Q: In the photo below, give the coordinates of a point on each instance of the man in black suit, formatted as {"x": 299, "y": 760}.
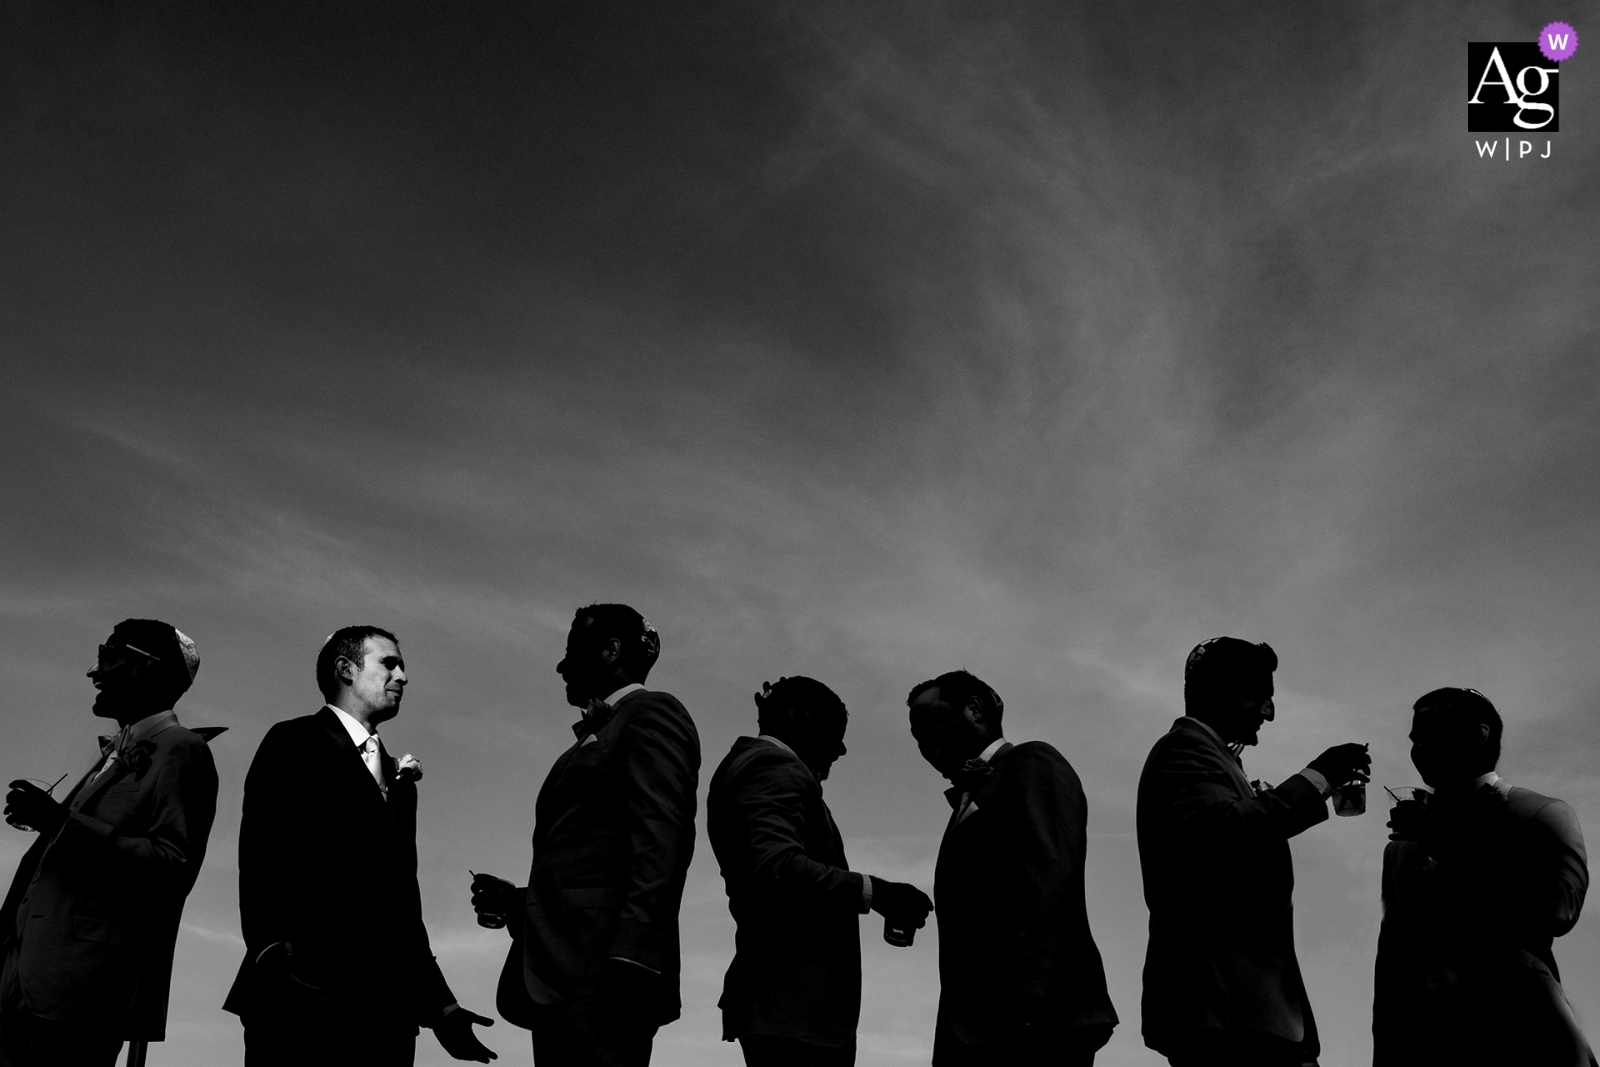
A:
{"x": 792, "y": 996}
{"x": 593, "y": 970}
{"x": 1021, "y": 981}
{"x": 1479, "y": 878}
{"x": 337, "y": 967}
{"x": 90, "y": 921}
{"x": 1222, "y": 987}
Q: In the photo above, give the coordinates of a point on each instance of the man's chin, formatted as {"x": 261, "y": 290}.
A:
{"x": 106, "y": 706}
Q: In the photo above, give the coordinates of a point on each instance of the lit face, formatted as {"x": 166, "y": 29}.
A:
{"x": 379, "y": 681}
{"x": 586, "y": 667}
{"x": 1238, "y": 714}
{"x": 946, "y": 736}
{"x": 1446, "y": 750}
{"x": 122, "y": 679}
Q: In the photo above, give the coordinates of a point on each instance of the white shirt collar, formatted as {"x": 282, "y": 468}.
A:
{"x": 624, "y": 691}
{"x": 988, "y": 754}
{"x": 358, "y": 733}
{"x": 780, "y": 744}
{"x": 1491, "y": 778}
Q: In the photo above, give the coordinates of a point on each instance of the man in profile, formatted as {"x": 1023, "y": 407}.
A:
{"x": 1222, "y": 986}
{"x": 90, "y": 922}
{"x": 792, "y": 996}
{"x": 1480, "y": 877}
{"x": 337, "y": 967}
{"x": 1021, "y": 981}
{"x": 593, "y": 970}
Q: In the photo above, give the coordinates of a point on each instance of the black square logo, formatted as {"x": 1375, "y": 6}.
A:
{"x": 1511, "y": 88}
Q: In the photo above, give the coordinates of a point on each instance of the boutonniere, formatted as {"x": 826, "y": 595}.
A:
{"x": 407, "y": 768}
{"x": 140, "y": 759}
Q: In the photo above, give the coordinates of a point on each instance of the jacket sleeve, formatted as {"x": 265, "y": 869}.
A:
{"x": 1565, "y": 882}
{"x": 658, "y": 763}
{"x": 1205, "y": 804}
{"x": 770, "y": 796}
{"x": 1393, "y": 1003}
{"x": 1045, "y": 816}
{"x": 430, "y": 991}
{"x": 268, "y": 876}
{"x": 165, "y": 858}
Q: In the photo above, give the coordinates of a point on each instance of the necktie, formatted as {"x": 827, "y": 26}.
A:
{"x": 374, "y": 762}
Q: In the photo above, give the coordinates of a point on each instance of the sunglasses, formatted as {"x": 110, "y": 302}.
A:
{"x": 106, "y": 652}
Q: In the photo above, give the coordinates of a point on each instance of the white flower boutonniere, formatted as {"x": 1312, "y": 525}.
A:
{"x": 407, "y": 769}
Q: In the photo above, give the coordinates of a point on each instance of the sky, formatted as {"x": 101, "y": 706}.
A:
{"x": 857, "y": 341}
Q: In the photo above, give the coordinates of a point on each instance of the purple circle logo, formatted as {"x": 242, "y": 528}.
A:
{"x": 1558, "y": 41}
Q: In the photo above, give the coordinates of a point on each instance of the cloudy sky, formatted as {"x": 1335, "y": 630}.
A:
{"x": 860, "y": 341}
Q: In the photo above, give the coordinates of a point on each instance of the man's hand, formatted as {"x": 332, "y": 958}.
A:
{"x": 1411, "y": 821}
{"x": 1343, "y": 764}
{"x": 495, "y": 898}
{"x": 454, "y": 1032}
{"x": 904, "y": 905}
{"x": 29, "y": 807}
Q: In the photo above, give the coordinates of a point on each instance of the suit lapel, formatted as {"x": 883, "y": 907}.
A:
{"x": 1235, "y": 771}
{"x": 350, "y": 756}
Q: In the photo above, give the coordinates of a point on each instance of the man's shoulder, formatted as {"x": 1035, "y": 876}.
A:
{"x": 1529, "y": 806}
{"x": 652, "y": 709}
{"x": 1034, "y": 758}
{"x": 752, "y": 760}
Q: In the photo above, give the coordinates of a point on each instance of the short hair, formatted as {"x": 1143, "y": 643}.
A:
{"x": 1467, "y": 705}
{"x": 958, "y": 689}
{"x": 174, "y": 654}
{"x": 798, "y": 693}
{"x": 640, "y": 643}
{"x": 1219, "y": 663}
{"x": 347, "y": 642}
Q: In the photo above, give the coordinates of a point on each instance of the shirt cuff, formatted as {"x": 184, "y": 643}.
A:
{"x": 636, "y": 963}
{"x": 866, "y": 893}
{"x": 1317, "y": 779}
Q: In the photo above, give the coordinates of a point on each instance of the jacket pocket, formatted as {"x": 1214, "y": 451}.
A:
{"x": 88, "y": 928}
{"x": 588, "y": 898}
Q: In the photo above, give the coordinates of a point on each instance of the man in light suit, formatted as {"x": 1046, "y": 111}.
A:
{"x": 792, "y": 996}
{"x": 91, "y": 919}
{"x": 593, "y": 969}
{"x": 1478, "y": 880}
{"x": 1021, "y": 981}
{"x": 1221, "y": 983}
{"x": 337, "y": 968}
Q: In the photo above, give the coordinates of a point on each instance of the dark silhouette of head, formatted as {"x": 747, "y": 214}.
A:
{"x": 807, "y": 716}
{"x": 1455, "y": 737}
{"x": 1227, "y": 684}
{"x": 954, "y": 717}
{"x": 608, "y": 647}
{"x": 360, "y": 669}
{"x": 142, "y": 668}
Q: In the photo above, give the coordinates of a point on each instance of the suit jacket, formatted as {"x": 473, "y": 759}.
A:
{"x": 796, "y": 970}
{"x": 612, "y": 838}
{"x": 97, "y": 905}
{"x": 1008, "y": 892}
{"x": 1464, "y": 953}
{"x": 330, "y": 866}
{"x": 1219, "y": 883}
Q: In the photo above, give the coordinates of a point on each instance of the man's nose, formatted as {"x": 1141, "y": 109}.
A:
{"x": 561, "y": 668}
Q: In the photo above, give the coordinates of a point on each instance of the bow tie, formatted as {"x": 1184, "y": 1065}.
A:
{"x": 594, "y": 720}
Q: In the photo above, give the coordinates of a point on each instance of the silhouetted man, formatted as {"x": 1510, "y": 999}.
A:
{"x": 1021, "y": 982}
{"x": 91, "y": 919}
{"x": 1221, "y": 983}
{"x": 594, "y": 970}
{"x": 337, "y": 967}
{"x": 792, "y": 996}
{"x": 1478, "y": 880}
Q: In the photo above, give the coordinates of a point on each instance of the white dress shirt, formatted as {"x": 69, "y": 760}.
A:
{"x": 134, "y": 732}
{"x": 365, "y": 740}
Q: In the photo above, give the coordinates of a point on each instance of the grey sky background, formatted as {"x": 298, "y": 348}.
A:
{"x": 860, "y": 341}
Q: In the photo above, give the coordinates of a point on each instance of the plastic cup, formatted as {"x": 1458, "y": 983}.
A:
{"x": 898, "y": 936}
{"x": 1350, "y": 799}
{"x": 1399, "y": 794}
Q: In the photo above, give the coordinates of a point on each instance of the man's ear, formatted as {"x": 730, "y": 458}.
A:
{"x": 974, "y": 712}
{"x": 611, "y": 651}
